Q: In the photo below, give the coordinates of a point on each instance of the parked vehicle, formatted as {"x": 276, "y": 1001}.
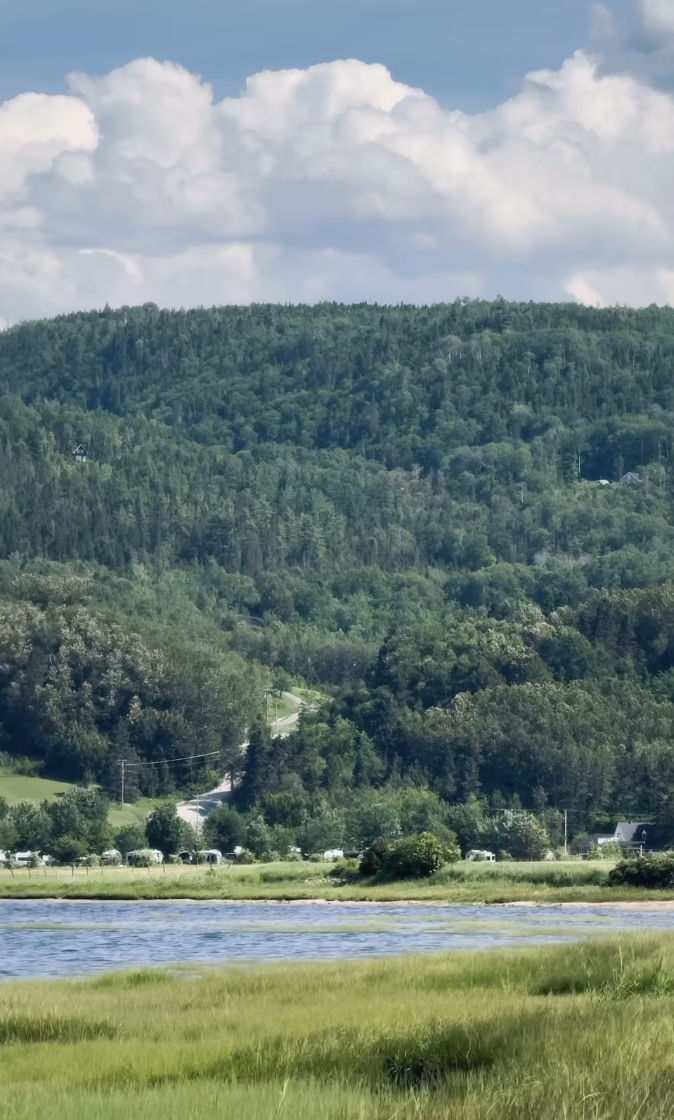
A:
{"x": 212, "y": 855}
{"x": 333, "y": 855}
{"x": 27, "y": 859}
{"x": 477, "y": 856}
{"x": 112, "y": 857}
{"x": 144, "y": 857}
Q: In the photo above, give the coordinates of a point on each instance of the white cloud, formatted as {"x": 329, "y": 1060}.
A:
{"x": 334, "y": 182}
{"x": 658, "y": 16}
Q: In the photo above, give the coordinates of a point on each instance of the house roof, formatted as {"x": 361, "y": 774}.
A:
{"x": 630, "y": 477}
{"x": 631, "y": 832}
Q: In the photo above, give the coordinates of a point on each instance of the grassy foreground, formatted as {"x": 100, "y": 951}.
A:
{"x": 458, "y": 883}
{"x": 583, "y": 1032}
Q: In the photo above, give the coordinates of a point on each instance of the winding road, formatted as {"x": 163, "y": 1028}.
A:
{"x": 196, "y": 811}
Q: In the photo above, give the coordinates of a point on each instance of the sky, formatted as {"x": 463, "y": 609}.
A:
{"x": 194, "y": 152}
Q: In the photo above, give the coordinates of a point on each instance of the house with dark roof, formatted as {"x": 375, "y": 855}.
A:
{"x": 632, "y": 836}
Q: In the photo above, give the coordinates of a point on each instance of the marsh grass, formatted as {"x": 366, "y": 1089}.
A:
{"x": 583, "y": 1032}
{"x": 457, "y": 883}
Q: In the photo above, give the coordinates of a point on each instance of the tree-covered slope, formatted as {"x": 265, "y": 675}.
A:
{"x": 401, "y": 504}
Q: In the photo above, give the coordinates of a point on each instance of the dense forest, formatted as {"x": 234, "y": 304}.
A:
{"x": 418, "y": 511}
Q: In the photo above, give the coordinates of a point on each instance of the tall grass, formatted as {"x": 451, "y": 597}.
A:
{"x": 578, "y": 1032}
{"x": 458, "y": 883}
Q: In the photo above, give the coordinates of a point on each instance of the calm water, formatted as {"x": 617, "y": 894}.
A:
{"x": 42, "y": 939}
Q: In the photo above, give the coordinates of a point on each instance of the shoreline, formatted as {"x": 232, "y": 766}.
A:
{"x": 552, "y": 904}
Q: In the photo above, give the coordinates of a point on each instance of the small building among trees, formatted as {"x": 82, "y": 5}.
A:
{"x": 80, "y": 454}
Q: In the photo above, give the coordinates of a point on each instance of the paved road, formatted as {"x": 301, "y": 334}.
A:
{"x": 195, "y": 812}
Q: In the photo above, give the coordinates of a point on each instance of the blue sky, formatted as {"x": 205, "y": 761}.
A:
{"x": 469, "y": 54}
{"x": 133, "y": 181}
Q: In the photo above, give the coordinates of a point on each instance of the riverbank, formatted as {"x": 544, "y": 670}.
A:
{"x": 576, "y": 1031}
{"x": 458, "y": 884}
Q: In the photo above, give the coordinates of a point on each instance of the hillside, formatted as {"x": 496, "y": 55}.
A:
{"x": 400, "y": 505}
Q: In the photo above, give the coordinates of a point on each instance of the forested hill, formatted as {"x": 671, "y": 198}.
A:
{"x": 298, "y": 485}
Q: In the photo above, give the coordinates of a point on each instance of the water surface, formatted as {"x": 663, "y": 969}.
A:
{"x": 42, "y": 938}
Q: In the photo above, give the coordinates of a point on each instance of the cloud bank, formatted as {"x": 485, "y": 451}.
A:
{"x": 335, "y": 182}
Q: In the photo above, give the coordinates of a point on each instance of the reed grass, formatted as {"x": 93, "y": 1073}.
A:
{"x": 583, "y": 1032}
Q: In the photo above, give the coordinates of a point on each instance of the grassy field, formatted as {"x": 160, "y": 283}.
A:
{"x": 460, "y": 883}
{"x": 131, "y": 814}
{"x": 568, "y": 1033}
{"x": 15, "y": 788}
{"x": 279, "y": 708}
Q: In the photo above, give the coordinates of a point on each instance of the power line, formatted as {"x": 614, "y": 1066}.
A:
{"x": 169, "y": 761}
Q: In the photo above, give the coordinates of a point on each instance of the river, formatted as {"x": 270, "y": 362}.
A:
{"x": 41, "y": 939}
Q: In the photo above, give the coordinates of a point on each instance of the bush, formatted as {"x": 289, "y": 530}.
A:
{"x": 605, "y": 851}
{"x": 142, "y": 858}
{"x": 417, "y": 857}
{"x": 373, "y": 858}
{"x": 245, "y": 857}
{"x": 651, "y": 871}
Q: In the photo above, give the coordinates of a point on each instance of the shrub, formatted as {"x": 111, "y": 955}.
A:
{"x": 245, "y": 856}
{"x": 417, "y": 857}
{"x": 373, "y": 858}
{"x": 651, "y": 871}
{"x": 605, "y": 851}
{"x": 142, "y": 858}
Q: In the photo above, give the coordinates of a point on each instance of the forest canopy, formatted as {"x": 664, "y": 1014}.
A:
{"x": 456, "y": 520}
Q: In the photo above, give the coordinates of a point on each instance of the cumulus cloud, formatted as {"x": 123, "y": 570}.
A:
{"x": 334, "y": 182}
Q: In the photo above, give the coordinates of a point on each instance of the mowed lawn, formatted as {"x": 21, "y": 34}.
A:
{"x": 15, "y": 788}
{"x": 131, "y": 814}
{"x": 582, "y": 1032}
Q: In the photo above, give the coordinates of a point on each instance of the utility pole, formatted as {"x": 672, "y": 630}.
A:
{"x": 566, "y": 833}
{"x": 198, "y": 819}
{"x": 123, "y": 764}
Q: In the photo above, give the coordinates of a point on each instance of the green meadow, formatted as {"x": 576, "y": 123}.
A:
{"x": 582, "y": 1032}
{"x": 17, "y": 787}
{"x": 458, "y": 883}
